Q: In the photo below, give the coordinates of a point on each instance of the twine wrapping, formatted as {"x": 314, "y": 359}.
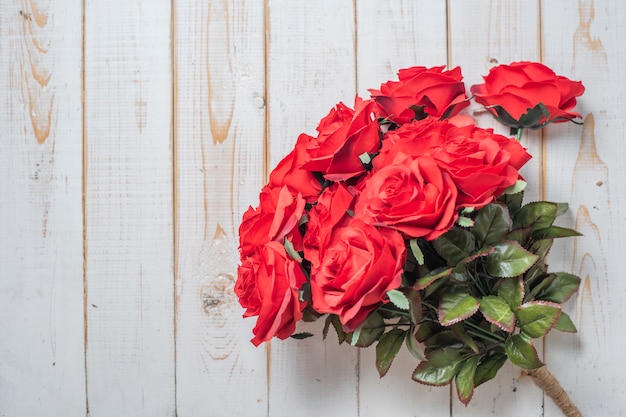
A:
{"x": 551, "y": 386}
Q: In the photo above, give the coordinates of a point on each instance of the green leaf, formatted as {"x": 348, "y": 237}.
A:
{"x": 441, "y": 366}
{"x": 561, "y": 288}
{"x": 417, "y": 252}
{"x": 334, "y": 320}
{"x": 291, "y": 251}
{"x": 538, "y": 215}
{"x": 411, "y": 345}
{"x": 455, "y": 245}
{"x": 368, "y": 332}
{"x": 565, "y": 324}
{"x": 518, "y": 187}
{"x": 497, "y": 311}
{"x": 398, "y": 299}
{"x": 387, "y": 348}
{"x": 456, "y": 306}
{"x": 511, "y": 290}
{"x": 521, "y": 352}
{"x": 365, "y": 159}
{"x": 465, "y": 379}
{"x": 513, "y": 202}
{"x": 426, "y": 330}
{"x": 536, "y": 318}
{"x": 441, "y": 340}
{"x": 554, "y": 232}
{"x": 488, "y": 368}
{"x": 426, "y": 280}
{"x": 520, "y": 235}
{"x": 463, "y": 221}
{"x": 492, "y": 224}
{"x": 509, "y": 259}
{"x": 461, "y": 333}
{"x": 561, "y": 208}
{"x": 415, "y": 304}
{"x": 533, "y": 116}
{"x": 302, "y": 335}
{"x": 504, "y": 117}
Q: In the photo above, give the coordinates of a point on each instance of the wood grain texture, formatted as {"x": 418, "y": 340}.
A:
{"x": 129, "y": 209}
{"x": 220, "y": 133}
{"x": 390, "y": 38}
{"x": 168, "y": 115}
{"x": 41, "y": 249}
{"x": 310, "y": 68}
{"x": 584, "y": 40}
{"x": 483, "y": 34}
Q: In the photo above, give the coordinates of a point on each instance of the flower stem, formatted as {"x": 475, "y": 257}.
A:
{"x": 551, "y": 386}
{"x": 518, "y": 136}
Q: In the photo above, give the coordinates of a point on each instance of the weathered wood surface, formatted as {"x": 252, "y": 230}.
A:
{"x": 133, "y": 135}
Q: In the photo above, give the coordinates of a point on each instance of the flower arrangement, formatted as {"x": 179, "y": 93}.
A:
{"x": 403, "y": 223}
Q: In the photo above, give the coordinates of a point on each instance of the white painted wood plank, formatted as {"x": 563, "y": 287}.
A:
{"x": 42, "y": 368}
{"x": 391, "y": 36}
{"x": 220, "y": 131}
{"x": 311, "y": 67}
{"x": 584, "y": 40}
{"x": 485, "y": 33}
{"x": 129, "y": 206}
{"x": 395, "y": 35}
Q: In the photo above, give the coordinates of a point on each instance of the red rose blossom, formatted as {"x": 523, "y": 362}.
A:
{"x": 289, "y": 172}
{"x": 268, "y": 284}
{"x": 411, "y": 195}
{"x": 518, "y": 89}
{"x": 440, "y": 93}
{"x": 359, "y": 264}
{"x": 344, "y": 135}
{"x": 275, "y": 218}
{"x": 330, "y": 212}
{"x": 481, "y": 163}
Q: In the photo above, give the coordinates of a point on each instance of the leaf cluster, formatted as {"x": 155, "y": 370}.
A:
{"x": 473, "y": 298}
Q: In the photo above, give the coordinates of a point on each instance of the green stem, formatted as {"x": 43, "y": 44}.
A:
{"x": 518, "y": 136}
{"x": 494, "y": 337}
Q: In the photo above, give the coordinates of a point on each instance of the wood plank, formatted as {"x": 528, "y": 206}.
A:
{"x": 390, "y": 38}
{"x": 311, "y": 67}
{"x": 220, "y": 131}
{"x": 584, "y": 41}
{"x": 129, "y": 207}
{"x": 42, "y": 369}
{"x": 485, "y": 33}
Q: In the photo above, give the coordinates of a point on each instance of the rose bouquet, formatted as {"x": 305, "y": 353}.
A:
{"x": 403, "y": 223}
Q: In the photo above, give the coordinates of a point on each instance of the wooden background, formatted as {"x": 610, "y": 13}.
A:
{"x": 133, "y": 135}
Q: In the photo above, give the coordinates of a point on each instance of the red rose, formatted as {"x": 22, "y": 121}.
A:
{"x": 330, "y": 212}
{"x": 513, "y": 92}
{"x": 276, "y": 218}
{"x": 268, "y": 284}
{"x": 411, "y": 195}
{"x": 289, "y": 172}
{"x": 344, "y": 135}
{"x": 359, "y": 264}
{"x": 481, "y": 163}
{"x": 440, "y": 93}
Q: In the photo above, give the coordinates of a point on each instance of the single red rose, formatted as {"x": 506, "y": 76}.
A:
{"x": 268, "y": 285}
{"x": 480, "y": 163}
{"x": 440, "y": 93}
{"x": 344, "y": 135}
{"x": 359, "y": 264}
{"x": 411, "y": 195}
{"x": 275, "y": 218}
{"x": 330, "y": 212}
{"x": 289, "y": 172}
{"x": 520, "y": 87}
